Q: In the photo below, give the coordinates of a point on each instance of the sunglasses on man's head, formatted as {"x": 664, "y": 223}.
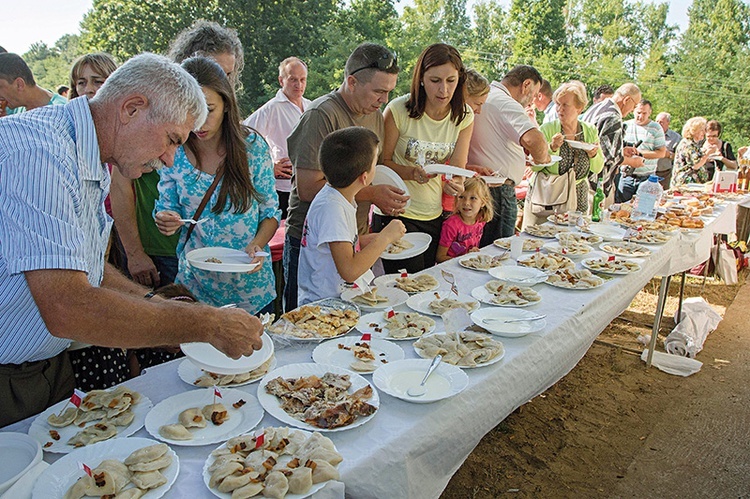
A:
{"x": 382, "y": 63}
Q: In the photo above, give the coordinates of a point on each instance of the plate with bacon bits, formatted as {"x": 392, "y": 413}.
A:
{"x": 356, "y": 354}
{"x": 611, "y": 265}
{"x": 199, "y": 417}
{"x": 318, "y": 397}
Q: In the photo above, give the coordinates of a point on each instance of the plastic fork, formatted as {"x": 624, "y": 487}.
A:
{"x": 450, "y": 279}
{"x": 193, "y": 222}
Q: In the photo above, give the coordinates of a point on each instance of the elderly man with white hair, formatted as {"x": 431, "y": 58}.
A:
{"x": 276, "y": 119}
{"x": 54, "y": 284}
{"x": 607, "y": 117}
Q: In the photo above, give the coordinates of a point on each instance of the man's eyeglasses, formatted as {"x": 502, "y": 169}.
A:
{"x": 383, "y": 63}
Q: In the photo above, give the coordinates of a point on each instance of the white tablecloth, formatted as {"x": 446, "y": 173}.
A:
{"x": 412, "y": 450}
{"x": 694, "y": 248}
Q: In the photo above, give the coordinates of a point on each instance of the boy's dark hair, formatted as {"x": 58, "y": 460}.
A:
{"x": 346, "y": 154}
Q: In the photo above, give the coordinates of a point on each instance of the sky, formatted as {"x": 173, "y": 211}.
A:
{"x": 29, "y": 21}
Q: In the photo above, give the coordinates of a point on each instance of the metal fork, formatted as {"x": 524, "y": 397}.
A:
{"x": 450, "y": 279}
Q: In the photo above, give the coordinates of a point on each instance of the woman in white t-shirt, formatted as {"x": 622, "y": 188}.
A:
{"x": 431, "y": 124}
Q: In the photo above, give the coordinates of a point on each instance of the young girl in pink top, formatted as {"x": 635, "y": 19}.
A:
{"x": 462, "y": 231}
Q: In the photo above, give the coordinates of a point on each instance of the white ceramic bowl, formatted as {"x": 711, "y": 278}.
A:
{"x": 395, "y": 378}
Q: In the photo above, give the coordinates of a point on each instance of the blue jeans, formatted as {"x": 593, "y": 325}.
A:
{"x": 290, "y": 260}
{"x": 628, "y": 186}
{"x": 503, "y": 224}
{"x": 167, "y": 268}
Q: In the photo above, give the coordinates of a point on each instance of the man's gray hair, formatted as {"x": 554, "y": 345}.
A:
{"x": 172, "y": 92}
{"x": 629, "y": 90}
{"x": 283, "y": 71}
{"x": 665, "y": 115}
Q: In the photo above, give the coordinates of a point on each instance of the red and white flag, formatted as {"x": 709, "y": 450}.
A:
{"x": 77, "y": 397}
{"x": 260, "y": 438}
{"x": 366, "y": 337}
{"x": 389, "y": 313}
{"x": 85, "y": 468}
{"x": 403, "y": 273}
{"x": 217, "y": 393}
{"x": 611, "y": 258}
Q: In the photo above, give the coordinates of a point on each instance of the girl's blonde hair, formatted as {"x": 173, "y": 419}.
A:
{"x": 479, "y": 186}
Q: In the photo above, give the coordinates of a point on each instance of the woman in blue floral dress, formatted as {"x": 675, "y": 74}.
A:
{"x": 243, "y": 211}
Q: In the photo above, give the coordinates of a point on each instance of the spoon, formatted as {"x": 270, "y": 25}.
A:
{"x": 419, "y": 390}
{"x": 505, "y": 321}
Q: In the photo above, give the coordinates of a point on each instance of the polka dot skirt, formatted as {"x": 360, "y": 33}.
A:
{"x": 97, "y": 368}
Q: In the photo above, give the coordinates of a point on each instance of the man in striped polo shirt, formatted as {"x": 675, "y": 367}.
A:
{"x": 54, "y": 284}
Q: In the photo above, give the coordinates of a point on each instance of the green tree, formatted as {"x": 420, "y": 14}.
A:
{"x": 51, "y": 65}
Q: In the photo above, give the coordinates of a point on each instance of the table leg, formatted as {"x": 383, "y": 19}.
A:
{"x": 682, "y": 295}
{"x": 663, "y": 289}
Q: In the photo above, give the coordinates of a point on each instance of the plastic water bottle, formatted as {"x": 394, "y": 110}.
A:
{"x": 647, "y": 199}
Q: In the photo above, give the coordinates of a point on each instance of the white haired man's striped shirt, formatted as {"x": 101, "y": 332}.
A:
{"x": 52, "y": 185}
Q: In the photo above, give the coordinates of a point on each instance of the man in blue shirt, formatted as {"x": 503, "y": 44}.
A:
{"x": 19, "y": 89}
{"x": 54, "y": 284}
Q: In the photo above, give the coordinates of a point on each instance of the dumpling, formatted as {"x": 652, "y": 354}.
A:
{"x": 276, "y": 439}
{"x": 222, "y": 460}
{"x": 148, "y": 479}
{"x": 123, "y": 419}
{"x": 249, "y": 490}
{"x": 131, "y": 493}
{"x": 256, "y": 459}
{"x": 300, "y": 480}
{"x": 296, "y": 439}
{"x": 323, "y": 472}
{"x": 146, "y": 454}
{"x": 216, "y": 413}
{"x": 175, "y": 432}
{"x": 64, "y": 419}
{"x": 119, "y": 472}
{"x": 92, "y": 415}
{"x": 242, "y": 443}
{"x": 93, "y": 400}
{"x": 92, "y": 434}
{"x": 236, "y": 481}
{"x": 103, "y": 484}
{"x": 157, "y": 464}
{"x": 242, "y": 377}
{"x": 322, "y": 454}
{"x": 78, "y": 489}
{"x": 227, "y": 379}
{"x": 224, "y": 471}
{"x": 276, "y": 485}
{"x": 192, "y": 418}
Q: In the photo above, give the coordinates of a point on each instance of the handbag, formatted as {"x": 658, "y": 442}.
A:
{"x": 553, "y": 193}
{"x": 204, "y": 202}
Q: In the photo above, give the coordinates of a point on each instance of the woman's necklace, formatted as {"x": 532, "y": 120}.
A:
{"x": 578, "y": 134}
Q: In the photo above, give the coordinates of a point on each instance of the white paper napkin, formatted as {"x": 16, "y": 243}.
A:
{"x": 23, "y": 487}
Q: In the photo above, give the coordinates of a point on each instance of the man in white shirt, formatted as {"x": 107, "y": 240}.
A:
{"x": 544, "y": 103}
{"x": 276, "y": 119}
{"x": 671, "y": 139}
{"x": 501, "y": 133}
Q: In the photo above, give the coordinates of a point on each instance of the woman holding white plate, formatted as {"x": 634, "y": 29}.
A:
{"x": 230, "y": 165}
{"x": 430, "y": 125}
{"x": 575, "y": 141}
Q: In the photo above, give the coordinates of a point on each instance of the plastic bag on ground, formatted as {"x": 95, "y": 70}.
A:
{"x": 673, "y": 364}
{"x": 698, "y": 319}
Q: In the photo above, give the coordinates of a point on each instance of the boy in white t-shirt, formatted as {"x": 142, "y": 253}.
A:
{"x": 329, "y": 256}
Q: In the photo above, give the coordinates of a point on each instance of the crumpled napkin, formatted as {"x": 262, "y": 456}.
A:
{"x": 23, "y": 487}
{"x": 673, "y": 364}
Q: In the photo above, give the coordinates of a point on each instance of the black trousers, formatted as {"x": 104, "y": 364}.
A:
{"x": 415, "y": 263}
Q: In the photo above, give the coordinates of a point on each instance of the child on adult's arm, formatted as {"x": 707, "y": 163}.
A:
{"x": 329, "y": 255}
{"x": 462, "y": 231}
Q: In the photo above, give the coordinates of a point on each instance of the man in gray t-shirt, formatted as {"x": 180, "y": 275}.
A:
{"x": 671, "y": 138}
{"x": 371, "y": 73}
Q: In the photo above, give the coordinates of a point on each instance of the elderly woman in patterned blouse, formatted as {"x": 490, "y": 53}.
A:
{"x": 689, "y": 159}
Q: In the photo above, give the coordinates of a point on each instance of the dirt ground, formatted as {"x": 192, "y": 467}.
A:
{"x": 612, "y": 428}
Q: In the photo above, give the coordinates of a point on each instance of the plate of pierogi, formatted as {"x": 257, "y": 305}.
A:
{"x": 198, "y": 417}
